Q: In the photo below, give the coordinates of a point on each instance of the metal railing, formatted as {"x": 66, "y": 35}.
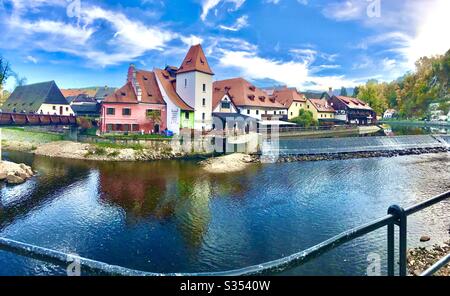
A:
{"x": 397, "y": 216}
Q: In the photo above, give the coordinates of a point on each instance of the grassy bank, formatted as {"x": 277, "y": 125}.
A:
{"x": 21, "y": 135}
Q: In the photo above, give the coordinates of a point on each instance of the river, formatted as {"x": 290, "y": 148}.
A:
{"x": 169, "y": 216}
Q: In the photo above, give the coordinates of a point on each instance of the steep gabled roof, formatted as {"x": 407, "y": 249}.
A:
{"x": 29, "y": 98}
{"x": 243, "y": 93}
{"x": 168, "y": 84}
{"x": 354, "y": 103}
{"x": 104, "y": 92}
{"x": 125, "y": 94}
{"x": 322, "y": 105}
{"x": 195, "y": 60}
{"x": 149, "y": 87}
{"x": 287, "y": 96}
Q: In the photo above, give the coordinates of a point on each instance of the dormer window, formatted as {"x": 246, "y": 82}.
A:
{"x": 189, "y": 61}
{"x": 251, "y": 97}
{"x": 145, "y": 78}
{"x": 262, "y": 98}
{"x": 202, "y": 61}
{"x": 252, "y": 88}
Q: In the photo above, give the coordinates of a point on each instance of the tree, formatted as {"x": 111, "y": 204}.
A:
{"x": 5, "y": 71}
{"x": 20, "y": 81}
{"x": 355, "y": 92}
{"x": 343, "y": 91}
{"x": 305, "y": 119}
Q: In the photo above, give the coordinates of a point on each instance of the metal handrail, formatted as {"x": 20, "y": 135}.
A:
{"x": 396, "y": 216}
{"x": 435, "y": 267}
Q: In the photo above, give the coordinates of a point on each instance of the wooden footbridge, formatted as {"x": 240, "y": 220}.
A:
{"x": 23, "y": 119}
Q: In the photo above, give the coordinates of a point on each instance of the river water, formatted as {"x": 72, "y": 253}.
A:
{"x": 169, "y": 216}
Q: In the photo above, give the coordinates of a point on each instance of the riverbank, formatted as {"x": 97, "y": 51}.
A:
{"x": 421, "y": 258}
{"x": 96, "y": 152}
{"x": 417, "y": 123}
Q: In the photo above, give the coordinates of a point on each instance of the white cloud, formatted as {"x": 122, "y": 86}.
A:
{"x": 297, "y": 72}
{"x": 208, "y": 5}
{"x": 241, "y": 22}
{"x": 191, "y": 40}
{"x": 345, "y": 10}
{"x": 128, "y": 40}
{"x": 32, "y": 59}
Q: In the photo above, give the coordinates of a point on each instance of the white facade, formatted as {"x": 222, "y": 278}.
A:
{"x": 195, "y": 88}
{"x": 56, "y": 109}
{"x": 257, "y": 112}
{"x": 173, "y": 111}
{"x": 221, "y": 109}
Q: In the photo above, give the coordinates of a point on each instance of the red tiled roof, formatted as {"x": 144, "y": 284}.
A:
{"x": 195, "y": 60}
{"x": 168, "y": 83}
{"x": 287, "y": 96}
{"x": 76, "y": 92}
{"x": 354, "y": 103}
{"x": 125, "y": 94}
{"x": 243, "y": 93}
{"x": 322, "y": 105}
{"x": 150, "y": 90}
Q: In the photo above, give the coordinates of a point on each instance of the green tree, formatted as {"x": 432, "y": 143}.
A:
{"x": 355, "y": 92}
{"x": 305, "y": 119}
{"x": 343, "y": 91}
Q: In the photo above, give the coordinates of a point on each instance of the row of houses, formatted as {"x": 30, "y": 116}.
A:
{"x": 184, "y": 97}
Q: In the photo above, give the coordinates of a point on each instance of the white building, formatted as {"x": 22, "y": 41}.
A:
{"x": 194, "y": 82}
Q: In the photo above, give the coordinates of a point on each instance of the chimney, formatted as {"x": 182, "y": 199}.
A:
{"x": 131, "y": 72}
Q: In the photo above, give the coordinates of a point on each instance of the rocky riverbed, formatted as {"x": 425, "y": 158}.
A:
{"x": 13, "y": 173}
{"x": 421, "y": 258}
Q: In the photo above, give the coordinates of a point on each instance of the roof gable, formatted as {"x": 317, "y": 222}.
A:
{"x": 243, "y": 93}
{"x": 168, "y": 84}
{"x": 29, "y": 98}
{"x": 195, "y": 60}
{"x": 354, "y": 103}
{"x": 287, "y": 96}
{"x": 322, "y": 105}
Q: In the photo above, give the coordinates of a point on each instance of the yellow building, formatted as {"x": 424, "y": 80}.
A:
{"x": 320, "y": 109}
{"x": 291, "y": 99}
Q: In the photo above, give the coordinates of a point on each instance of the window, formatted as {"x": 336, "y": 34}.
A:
{"x": 126, "y": 111}
{"x": 257, "y": 112}
{"x": 186, "y": 115}
{"x": 110, "y": 111}
{"x": 109, "y": 127}
{"x": 204, "y": 102}
{"x": 248, "y": 111}
{"x": 185, "y": 83}
{"x": 54, "y": 107}
{"x": 226, "y": 105}
{"x": 204, "y": 87}
{"x": 292, "y": 113}
{"x": 274, "y": 112}
{"x": 67, "y": 108}
{"x": 203, "y": 116}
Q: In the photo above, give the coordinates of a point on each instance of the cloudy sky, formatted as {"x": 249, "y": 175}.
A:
{"x": 310, "y": 44}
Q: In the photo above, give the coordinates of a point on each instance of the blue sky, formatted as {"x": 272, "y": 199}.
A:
{"x": 309, "y": 44}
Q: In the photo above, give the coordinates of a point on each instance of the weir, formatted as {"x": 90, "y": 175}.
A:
{"x": 355, "y": 145}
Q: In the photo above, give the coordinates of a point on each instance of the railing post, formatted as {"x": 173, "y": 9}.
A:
{"x": 401, "y": 220}
{"x": 391, "y": 249}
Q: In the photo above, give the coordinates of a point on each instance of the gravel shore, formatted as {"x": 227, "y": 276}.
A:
{"x": 421, "y": 258}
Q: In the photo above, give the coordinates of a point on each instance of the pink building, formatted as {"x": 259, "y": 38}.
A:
{"x": 136, "y": 107}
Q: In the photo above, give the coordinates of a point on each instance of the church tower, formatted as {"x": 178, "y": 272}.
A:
{"x": 194, "y": 82}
